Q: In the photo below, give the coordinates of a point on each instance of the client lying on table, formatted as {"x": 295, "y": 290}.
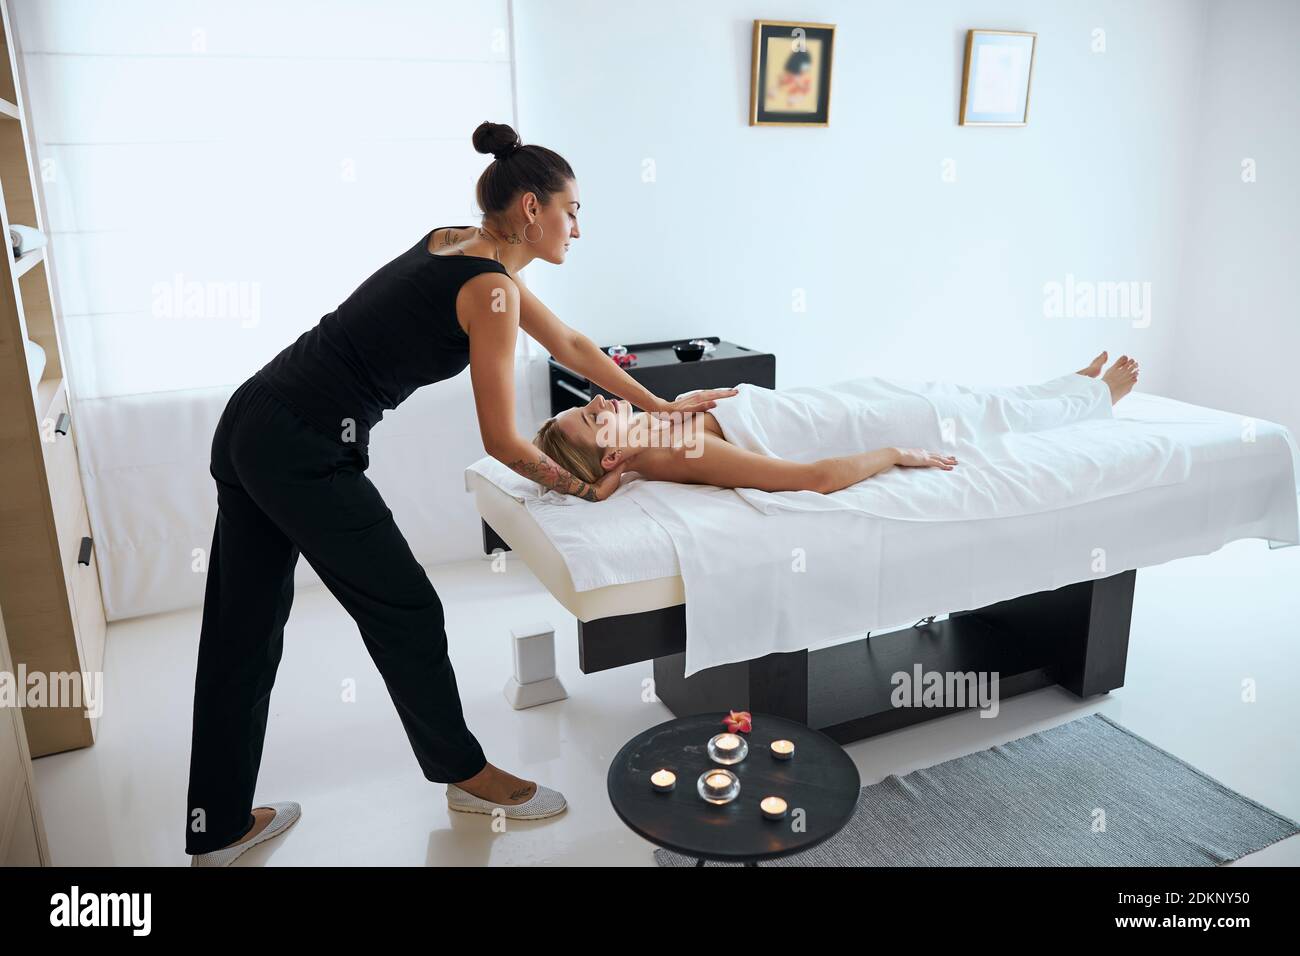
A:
{"x": 603, "y": 435}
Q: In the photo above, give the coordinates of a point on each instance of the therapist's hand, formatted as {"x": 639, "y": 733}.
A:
{"x": 610, "y": 482}
{"x": 700, "y": 401}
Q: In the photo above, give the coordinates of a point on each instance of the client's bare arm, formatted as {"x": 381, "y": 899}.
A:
{"x": 723, "y": 464}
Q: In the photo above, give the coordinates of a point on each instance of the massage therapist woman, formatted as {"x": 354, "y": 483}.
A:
{"x": 290, "y": 455}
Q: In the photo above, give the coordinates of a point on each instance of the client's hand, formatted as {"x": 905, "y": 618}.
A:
{"x": 920, "y": 458}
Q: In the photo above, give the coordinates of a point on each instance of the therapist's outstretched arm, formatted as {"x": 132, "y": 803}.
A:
{"x": 577, "y": 352}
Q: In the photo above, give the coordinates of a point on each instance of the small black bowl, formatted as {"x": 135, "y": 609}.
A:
{"x": 688, "y": 353}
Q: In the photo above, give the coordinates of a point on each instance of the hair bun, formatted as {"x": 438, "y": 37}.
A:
{"x": 498, "y": 139}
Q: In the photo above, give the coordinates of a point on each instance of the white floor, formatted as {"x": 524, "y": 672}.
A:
{"x": 1201, "y": 626}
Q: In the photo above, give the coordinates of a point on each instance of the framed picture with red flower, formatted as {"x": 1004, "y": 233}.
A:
{"x": 791, "y": 83}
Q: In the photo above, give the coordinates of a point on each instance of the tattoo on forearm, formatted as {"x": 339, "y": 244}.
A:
{"x": 551, "y": 476}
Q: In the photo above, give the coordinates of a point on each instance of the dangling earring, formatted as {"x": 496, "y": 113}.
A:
{"x": 539, "y": 231}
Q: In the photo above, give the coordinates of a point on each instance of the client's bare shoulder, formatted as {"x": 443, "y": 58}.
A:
{"x": 680, "y": 460}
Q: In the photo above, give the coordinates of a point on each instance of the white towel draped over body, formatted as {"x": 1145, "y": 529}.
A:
{"x": 1020, "y": 449}
{"x": 794, "y": 579}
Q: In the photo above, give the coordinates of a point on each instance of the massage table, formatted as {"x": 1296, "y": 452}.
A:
{"x": 1075, "y": 634}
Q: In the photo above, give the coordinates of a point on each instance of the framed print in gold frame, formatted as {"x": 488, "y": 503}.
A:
{"x": 996, "y": 79}
{"x": 791, "y": 81}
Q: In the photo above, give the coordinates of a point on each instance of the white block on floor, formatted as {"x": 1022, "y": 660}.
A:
{"x": 534, "y": 646}
{"x": 534, "y": 681}
{"x": 522, "y": 696}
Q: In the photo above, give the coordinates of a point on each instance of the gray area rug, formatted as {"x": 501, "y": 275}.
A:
{"x": 1039, "y": 801}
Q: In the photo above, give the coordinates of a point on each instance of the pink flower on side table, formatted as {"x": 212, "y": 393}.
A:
{"x": 739, "y": 721}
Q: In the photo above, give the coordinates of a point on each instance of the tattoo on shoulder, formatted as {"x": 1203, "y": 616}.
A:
{"x": 450, "y": 239}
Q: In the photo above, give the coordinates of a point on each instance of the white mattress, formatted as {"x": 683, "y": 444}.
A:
{"x": 611, "y": 557}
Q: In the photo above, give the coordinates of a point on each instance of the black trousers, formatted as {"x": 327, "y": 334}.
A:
{"x": 283, "y": 488}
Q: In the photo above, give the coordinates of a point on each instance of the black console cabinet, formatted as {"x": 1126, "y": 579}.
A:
{"x": 659, "y": 370}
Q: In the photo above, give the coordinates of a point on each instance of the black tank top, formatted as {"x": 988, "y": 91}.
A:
{"x": 395, "y": 333}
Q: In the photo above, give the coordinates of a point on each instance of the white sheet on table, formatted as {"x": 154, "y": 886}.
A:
{"x": 1020, "y": 449}
{"x": 602, "y": 543}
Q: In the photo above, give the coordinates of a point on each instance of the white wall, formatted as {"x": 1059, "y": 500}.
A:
{"x": 293, "y": 147}
{"x": 1239, "y": 323}
{"x": 290, "y": 148}
{"x": 904, "y": 273}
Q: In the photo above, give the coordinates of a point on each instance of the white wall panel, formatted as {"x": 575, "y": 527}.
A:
{"x": 277, "y": 153}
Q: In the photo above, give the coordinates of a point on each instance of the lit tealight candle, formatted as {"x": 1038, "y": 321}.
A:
{"x": 718, "y": 786}
{"x": 663, "y": 780}
{"x": 774, "y": 808}
{"x": 783, "y": 749}
{"x": 727, "y": 748}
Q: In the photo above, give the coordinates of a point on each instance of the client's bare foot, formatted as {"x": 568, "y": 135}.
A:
{"x": 1093, "y": 369}
{"x": 497, "y": 786}
{"x": 1121, "y": 377}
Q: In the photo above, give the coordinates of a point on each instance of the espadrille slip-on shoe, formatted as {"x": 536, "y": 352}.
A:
{"x": 286, "y": 815}
{"x": 544, "y": 803}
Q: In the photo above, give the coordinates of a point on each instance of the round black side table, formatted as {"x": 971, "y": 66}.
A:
{"x": 820, "y": 784}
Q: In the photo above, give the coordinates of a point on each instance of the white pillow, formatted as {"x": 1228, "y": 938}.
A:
{"x": 515, "y": 484}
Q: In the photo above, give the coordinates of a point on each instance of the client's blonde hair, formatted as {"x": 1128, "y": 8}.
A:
{"x": 581, "y": 462}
